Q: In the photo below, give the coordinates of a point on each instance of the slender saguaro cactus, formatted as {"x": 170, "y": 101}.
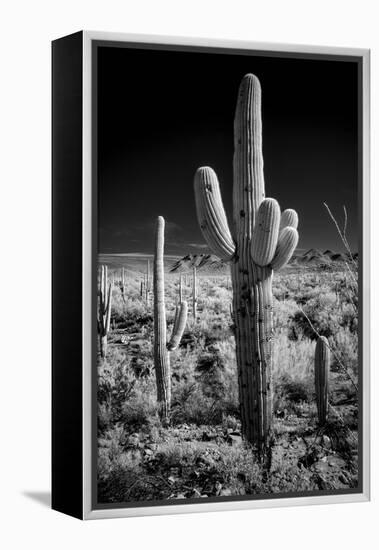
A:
{"x": 147, "y": 289}
{"x": 322, "y": 366}
{"x": 262, "y": 240}
{"x": 194, "y": 293}
{"x": 104, "y": 309}
{"x": 161, "y": 346}
{"x": 122, "y": 284}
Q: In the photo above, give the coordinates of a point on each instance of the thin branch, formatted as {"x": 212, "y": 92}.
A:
{"x": 353, "y": 436}
{"x": 340, "y": 364}
{"x": 345, "y": 222}
{"x": 342, "y": 234}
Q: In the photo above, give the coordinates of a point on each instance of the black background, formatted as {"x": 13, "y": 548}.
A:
{"x": 162, "y": 114}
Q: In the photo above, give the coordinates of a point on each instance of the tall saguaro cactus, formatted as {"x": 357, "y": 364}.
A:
{"x": 322, "y": 366}
{"x": 104, "y": 309}
{"x": 261, "y": 241}
{"x": 162, "y": 348}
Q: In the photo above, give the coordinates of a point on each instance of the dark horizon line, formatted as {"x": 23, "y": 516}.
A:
{"x": 198, "y": 253}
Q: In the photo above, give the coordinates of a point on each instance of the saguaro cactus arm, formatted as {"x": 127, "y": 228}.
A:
{"x": 287, "y": 243}
{"x": 289, "y": 218}
{"x": 108, "y": 309}
{"x": 104, "y": 309}
{"x": 179, "y": 326}
{"x": 211, "y": 214}
{"x": 265, "y": 233}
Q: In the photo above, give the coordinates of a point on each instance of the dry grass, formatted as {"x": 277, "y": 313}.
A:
{"x": 205, "y": 391}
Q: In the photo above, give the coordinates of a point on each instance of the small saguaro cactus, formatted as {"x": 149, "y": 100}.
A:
{"x": 162, "y": 348}
{"x": 322, "y": 366}
{"x": 261, "y": 241}
{"x": 104, "y": 309}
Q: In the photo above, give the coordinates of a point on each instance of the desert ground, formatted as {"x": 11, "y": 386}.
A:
{"x": 202, "y": 453}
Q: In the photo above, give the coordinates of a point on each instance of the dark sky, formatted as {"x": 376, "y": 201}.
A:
{"x": 162, "y": 114}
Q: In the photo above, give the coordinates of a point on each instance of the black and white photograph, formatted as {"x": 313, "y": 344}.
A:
{"x": 189, "y": 254}
{"x": 228, "y": 275}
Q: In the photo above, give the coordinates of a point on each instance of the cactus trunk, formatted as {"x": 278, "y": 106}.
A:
{"x": 161, "y": 356}
{"x": 260, "y": 238}
{"x": 162, "y": 348}
{"x": 252, "y": 291}
{"x": 253, "y": 333}
{"x": 103, "y": 345}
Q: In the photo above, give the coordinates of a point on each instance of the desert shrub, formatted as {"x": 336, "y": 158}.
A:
{"x": 122, "y": 394}
{"x": 292, "y": 358}
{"x": 115, "y": 384}
{"x": 191, "y": 406}
{"x": 132, "y": 307}
{"x": 283, "y": 311}
{"x": 292, "y": 369}
{"x": 141, "y": 409}
{"x": 205, "y": 384}
{"x": 326, "y": 315}
{"x": 140, "y": 352}
{"x": 123, "y": 479}
{"x": 171, "y": 455}
{"x": 345, "y": 344}
{"x": 210, "y": 374}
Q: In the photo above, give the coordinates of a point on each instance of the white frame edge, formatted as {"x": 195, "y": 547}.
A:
{"x": 88, "y": 511}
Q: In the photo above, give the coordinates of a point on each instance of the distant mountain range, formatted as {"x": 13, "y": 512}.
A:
{"x": 315, "y": 256}
{"x": 213, "y": 263}
{"x": 200, "y": 261}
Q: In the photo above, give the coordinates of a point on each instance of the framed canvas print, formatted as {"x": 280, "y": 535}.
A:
{"x": 210, "y": 275}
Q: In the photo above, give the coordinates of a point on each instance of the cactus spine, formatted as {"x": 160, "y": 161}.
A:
{"x": 161, "y": 346}
{"x": 322, "y": 366}
{"x": 262, "y": 240}
{"x": 104, "y": 309}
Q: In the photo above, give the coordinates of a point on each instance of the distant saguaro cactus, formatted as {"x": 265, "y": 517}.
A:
{"x": 147, "y": 288}
{"x": 322, "y": 366}
{"x": 104, "y": 309}
{"x": 262, "y": 240}
{"x": 122, "y": 284}
{"x": 161, "y": 346}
